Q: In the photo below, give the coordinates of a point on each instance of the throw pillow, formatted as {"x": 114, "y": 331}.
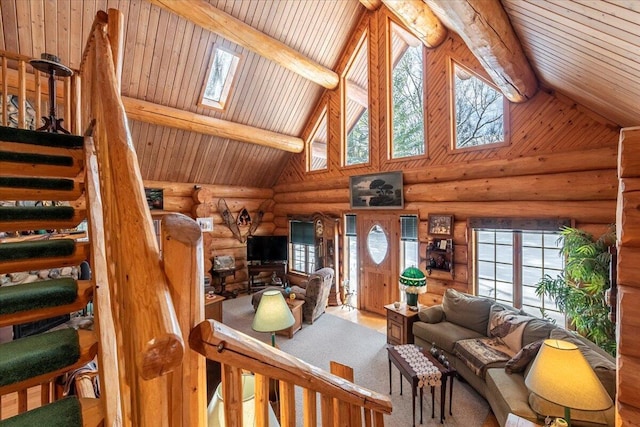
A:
{"x": 433, "y": 314}
{"x": 495, "y": 308}
{"x": 519, "y": 362}
{"x": 509, "y": 327}
{"x": 467, "y": 311}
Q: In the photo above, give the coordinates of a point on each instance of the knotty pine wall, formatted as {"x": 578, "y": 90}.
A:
{"x": 202, "y": 201}
{"x": 561, "y": 160}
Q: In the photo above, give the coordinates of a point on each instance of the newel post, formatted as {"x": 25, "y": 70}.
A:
{"x": 183, "y": 261}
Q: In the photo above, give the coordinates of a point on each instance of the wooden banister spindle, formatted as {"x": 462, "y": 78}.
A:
{"x": 232, "y": 395}
{"x": 261, "y": 389}
{"x": 309, "y": 408}
{"x": 287, "y": 404}
{"x": 22, "y": 94}
{"x": 5, "y": 88}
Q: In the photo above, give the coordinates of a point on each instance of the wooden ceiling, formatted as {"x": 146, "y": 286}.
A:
{"x": 584, "y": 49}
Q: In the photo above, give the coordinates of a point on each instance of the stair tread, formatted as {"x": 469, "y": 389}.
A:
{"x": 38, "y": 249}
{"x": 59, "y": 184}
{"x": 66, "y": 412}
{"x": 40, "y": 138}
{"x": 37, "y": 295}
{"x": 26, "y": 213}
{"x": 35, "y": 158}
{"x": 36, "y": 355}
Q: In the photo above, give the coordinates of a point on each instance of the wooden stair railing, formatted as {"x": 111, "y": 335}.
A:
{"x": 237, "y": 352}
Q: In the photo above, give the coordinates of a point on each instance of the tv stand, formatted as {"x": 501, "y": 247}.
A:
{"x": 280, "y": 268}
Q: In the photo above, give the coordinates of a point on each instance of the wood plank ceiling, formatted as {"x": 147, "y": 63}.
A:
{"x": 584, "y": 49}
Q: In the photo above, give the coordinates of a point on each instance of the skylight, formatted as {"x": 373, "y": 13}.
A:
{"x": 220, "y": 79}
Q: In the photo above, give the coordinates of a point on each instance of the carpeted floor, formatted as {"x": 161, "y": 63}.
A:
{"x": 333, "y": 338}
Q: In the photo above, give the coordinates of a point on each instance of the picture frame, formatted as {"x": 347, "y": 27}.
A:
{"x": 383, "y": 190}
{"x": 440, "y": 225}
{"x": 155, "y": 198}
{"x": 206, "y": 224}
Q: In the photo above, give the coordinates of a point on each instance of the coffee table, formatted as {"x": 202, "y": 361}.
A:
{"x": 406, "y": 371}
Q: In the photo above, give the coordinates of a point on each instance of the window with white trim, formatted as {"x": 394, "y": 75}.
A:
{"x": 356, "y": 106}
{"x": 510, "y": 262}
{"x": 409, "y": 242}
{"x": 317, "y": 145}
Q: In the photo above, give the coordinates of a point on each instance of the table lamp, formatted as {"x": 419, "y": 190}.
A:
{"x": 273, "y": 314}
{"x": 561, "y": 374}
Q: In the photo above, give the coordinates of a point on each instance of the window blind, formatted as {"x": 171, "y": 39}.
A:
{"x": 409, "y": 228}
{"x": 302, "y": 233}
{"x": 350, "y": 229}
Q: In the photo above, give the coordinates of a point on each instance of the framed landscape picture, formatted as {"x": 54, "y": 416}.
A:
{"x": 376, "y": 191}
{"x": 440, "y": 225}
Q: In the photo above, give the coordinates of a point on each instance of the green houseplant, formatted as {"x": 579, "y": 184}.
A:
{"x": 580, "y": 291}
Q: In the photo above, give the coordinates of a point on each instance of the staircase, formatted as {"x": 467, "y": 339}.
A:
{"x": 37, "y": 166}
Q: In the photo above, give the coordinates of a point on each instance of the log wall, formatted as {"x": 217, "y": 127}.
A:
{"x": 628, "y": 305}
{"x": 560, "y": 161}
{"x": 202, "y": 201}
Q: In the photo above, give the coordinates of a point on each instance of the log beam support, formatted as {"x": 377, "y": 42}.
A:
{"x": 486, "y": 30}
{"x": 211, "y": 19}
{"x": 172, "y": 117}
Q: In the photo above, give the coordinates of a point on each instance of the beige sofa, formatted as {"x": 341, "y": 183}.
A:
{"x": 463, "y": 322}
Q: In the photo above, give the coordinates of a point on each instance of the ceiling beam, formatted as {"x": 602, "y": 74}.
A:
{"x": 208, "y": 17}
{"x": 172, "y": 117}
{"x": 486, "y": 30}
{"x": 419, "y": 19}
{"x": 371, "y": 4}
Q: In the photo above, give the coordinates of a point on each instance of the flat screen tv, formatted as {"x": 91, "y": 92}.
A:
{"x": 267, "y": 248}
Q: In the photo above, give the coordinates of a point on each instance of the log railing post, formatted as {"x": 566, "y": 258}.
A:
{"x": 183, "y": 265}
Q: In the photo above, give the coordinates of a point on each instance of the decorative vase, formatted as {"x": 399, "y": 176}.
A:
{"x": 412, "y": 299}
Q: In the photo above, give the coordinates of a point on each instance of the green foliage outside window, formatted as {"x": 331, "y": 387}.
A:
{"x": 408, "y": 105}
{"x": 358, "y": 141}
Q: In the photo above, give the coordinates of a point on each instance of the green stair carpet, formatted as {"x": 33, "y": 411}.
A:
{"x": 39, "y": 159}
{"x": 29, "y": 357}
{"x": 35, "y": 213}
{"x": 32, "y": 296}
{"x": 39, "y": 249}
{"x": 66, "y": 412}
{"x": 37, "y": 183}
{"x": 40, "y": 138}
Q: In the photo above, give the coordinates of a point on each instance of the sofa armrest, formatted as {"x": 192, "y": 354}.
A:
{"x": 433, "y": 314}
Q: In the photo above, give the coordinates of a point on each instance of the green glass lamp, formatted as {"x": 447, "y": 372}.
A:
{"x": 413, "y": 282}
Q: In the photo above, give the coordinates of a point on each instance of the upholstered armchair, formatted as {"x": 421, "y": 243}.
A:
{"x": 315, "y": 293}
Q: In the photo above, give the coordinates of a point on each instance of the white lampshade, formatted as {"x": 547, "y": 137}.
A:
{"x": 561, "y": 374}
{"x": 273, "y": 313}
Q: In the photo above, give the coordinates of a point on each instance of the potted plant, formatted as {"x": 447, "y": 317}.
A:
{"x": 580, "y": 291}
{"x": 413, "y": 282}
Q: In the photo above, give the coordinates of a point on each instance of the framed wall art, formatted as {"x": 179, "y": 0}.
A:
{"x": 440, "y": 225}
{"x": 376, "y": 191}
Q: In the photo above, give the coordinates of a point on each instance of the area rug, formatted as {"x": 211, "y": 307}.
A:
{"x": 332, "y": 338}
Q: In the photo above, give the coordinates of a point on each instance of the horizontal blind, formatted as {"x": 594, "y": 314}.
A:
{"x": 302, "y": 233}
{"x": 409, "y": 228}
{"x": 350, "y": 229}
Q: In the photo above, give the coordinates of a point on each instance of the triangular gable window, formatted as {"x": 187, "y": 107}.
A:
{"x": 221, "y": 75}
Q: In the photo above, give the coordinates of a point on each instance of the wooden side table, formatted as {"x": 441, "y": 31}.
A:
{"x": 213, "y": 307}
{"x": 296, "y": 309}
{"x": 399, "y": 324}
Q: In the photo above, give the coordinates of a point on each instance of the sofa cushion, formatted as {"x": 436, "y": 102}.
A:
{"x": 508, "y": 327}
{"x": 466, "y": 310}
{"x": 536, "y": 330}
{"x": 433, "y": 314}
{"x": 521, "y": 360}
{"x": 602, "y": 363}
{"x": 480, "y": 354}
{"x": 443, "y": 334}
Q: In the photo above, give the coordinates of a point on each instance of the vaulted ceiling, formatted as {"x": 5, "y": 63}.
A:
{"x": 584, "y": 49}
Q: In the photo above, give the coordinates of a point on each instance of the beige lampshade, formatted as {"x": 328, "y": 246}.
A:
{"x": 273, "y": 313}
{"x": 561, "y": 374}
